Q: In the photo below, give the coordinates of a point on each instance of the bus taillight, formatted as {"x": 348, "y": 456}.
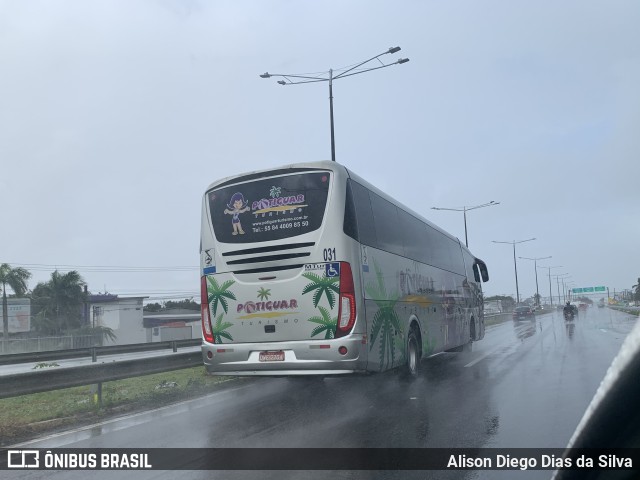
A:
{"x": 347, "y": 302}
{"x": 204, "y": 311}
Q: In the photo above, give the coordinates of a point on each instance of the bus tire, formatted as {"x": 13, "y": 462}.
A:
{"x": 413, "y": 354}
{"x": 468, "y": 347}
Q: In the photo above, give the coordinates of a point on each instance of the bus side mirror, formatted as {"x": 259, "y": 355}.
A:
{"x": 484, "y": 273}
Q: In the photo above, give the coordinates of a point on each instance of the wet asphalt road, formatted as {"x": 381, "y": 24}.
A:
{"x": 526, "y": 384}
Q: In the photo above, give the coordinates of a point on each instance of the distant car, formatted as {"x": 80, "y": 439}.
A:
{"x": 523, "y": 313}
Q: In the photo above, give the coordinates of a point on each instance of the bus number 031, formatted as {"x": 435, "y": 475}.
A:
{"x": 329, "y": 254}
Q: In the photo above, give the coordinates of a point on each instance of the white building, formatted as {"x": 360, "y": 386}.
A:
{"x": 123, "y": 315}
{"x": 173, "y": 324}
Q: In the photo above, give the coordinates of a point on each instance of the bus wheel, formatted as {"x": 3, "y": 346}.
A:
{"x": 413, "y": 353}
{"x": 468, "y": 347}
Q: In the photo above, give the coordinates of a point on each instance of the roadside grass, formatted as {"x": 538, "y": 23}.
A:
{"x": 496, "y": 319}
{"x": 629, "y": 310}
{"x": 30, "y": 415}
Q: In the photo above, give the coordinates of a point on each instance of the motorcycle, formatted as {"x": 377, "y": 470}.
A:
{"x": 570, "y": 313}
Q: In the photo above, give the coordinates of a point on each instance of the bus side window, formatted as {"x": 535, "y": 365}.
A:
{"x": 455, "y": 254}
{"x": 350, "y": 224}
{"x": 414, "y": 236}
{"x": 364, "y": 215}
{"x": 476, "y": 273}
{"x": 387, "y": 225}
{"x": 441, "y": 250}
{"x": 471, "y": 267}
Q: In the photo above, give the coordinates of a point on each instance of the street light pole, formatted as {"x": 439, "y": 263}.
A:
{"x": 558, "y": 283}
{"x": 564, "y": 288}
{"x": 465, "y": 210}
{"x": 515, "y": 264}
{"x": 550, "y": 294}
{"x": 535, "y": 266}
{"x": 355, "y": 70}
{"x": 569, "y": 293}
{"x": 333, "y": 138}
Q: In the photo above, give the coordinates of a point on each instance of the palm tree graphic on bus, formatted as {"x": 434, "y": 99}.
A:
{"x": 274, "y": 192}
{"x": 219, "y": 293}
{"x": 385, "y": 321}
{"x": 264, "y": 293}
{"x": 327, "y": 324}
{"x": 322, "y": 286}
{"x": 219, "y": 330}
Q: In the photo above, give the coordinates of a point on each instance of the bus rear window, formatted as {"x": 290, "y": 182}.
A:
{"x": 269, "y": 209}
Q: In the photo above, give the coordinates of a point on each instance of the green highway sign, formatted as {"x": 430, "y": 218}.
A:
{"x": 589, "y": 289}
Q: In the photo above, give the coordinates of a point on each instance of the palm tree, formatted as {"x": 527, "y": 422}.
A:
{"x": 274, "y": 192}
{"x": 327, "y": 324}
{"x": 16, "y": 279}
{"x": 59, "y": 302}
{"x": 385, "y": 321}
{"x": 219, "y": 328}
{"x": 322, "y": 285}
{"x": 217, "y": 293}
{"x": 636, "y": 295}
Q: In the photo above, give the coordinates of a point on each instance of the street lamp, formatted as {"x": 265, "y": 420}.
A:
{"x": 558, "y": 282}
{"x": 331, "y": 77}
{"x": 564, "y": 288}
{"x": 465, "y": 210}
{"x": 535, "y": 265}
{"x": 550, "y": 294}
{"x": 515, "y": 265}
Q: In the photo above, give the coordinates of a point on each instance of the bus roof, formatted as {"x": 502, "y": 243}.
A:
{"x": 333, "y": 166}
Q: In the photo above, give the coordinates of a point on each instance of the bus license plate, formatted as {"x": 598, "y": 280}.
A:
{"x": 277, "y": 356}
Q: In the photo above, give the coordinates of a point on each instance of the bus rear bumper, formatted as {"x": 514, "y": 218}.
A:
{"x": 300, "y": 358}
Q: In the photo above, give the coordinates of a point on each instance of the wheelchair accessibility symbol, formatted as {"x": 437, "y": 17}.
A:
{"x": 332, "y": 269}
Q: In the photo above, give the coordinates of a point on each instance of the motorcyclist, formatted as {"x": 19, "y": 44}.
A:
{"x": 568, "y": 310}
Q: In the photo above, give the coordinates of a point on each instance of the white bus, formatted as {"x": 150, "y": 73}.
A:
{"x": 308, "y": 269}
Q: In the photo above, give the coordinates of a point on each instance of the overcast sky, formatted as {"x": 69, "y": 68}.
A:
{"x": 116, "y": 115}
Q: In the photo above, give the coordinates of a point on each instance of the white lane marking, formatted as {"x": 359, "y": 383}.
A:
{"x": 436, "y": 354}
{"x": 603, "y": 330}
{"x": 479, "y": 359}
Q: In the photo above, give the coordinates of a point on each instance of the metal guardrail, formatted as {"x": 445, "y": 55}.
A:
{"x": 55, "y": 379}
{"x": 94, "y": 352}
